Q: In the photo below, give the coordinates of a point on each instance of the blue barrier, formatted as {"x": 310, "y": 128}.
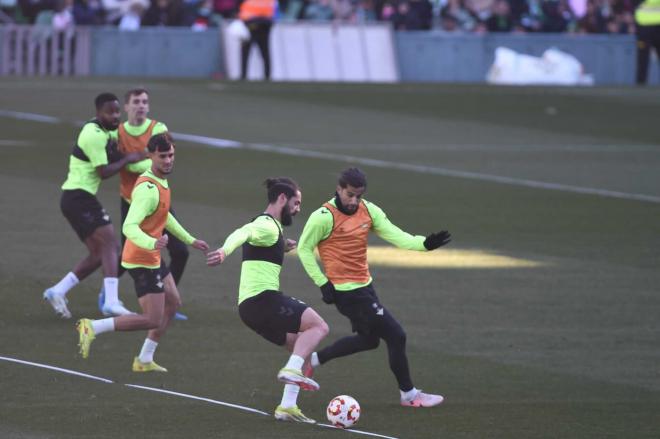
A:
{"x": 444, "y": 57}
{"x": 156, "y": 52}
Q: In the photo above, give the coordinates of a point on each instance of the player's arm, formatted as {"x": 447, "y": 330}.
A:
{"x": 144, "y": 202}
{"x": 139, "y": 167}
{"x": 93, "y": 141}
{"x": 175, "y": 228}
{"x": 392, "y": 233}
{"x": 395, "y": 236}
{"x": 317, "y": 228}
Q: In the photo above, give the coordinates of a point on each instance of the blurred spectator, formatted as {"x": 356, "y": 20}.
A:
{"x": 457, "y": 16}
{"x": 424, "y": 11}
{"x": 225, "y": 8}
{"x": 258, "y": 18}
{"x": 501, "y": 19}
{"x": 593, "y": 21}
{"x": 116, "y": 9}
{"x": 164, "y": 13}
{"x": 63, "y": 17}
{"x": 204, "y": 18}
{"x": 7, "y": 10}
{"x": 365, "y": 11}
{"x": 647, "y": 17}
{"x": 87, "y": 12}
{"x": 132, "y": 19}
{"x": 412, "y": 15}
{"x": 319, "y": 10}
{"x": 556, "y": 16}
{"x": 31, "y": 8}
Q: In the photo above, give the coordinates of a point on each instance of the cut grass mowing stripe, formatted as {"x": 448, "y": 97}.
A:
{"x": 422, "y": 169}
{"x": 198, "y": 398}
{"x": 169, "y": 392}
{"x": 57, "y": 369}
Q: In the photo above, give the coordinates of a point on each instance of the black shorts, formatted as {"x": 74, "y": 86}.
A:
{"x": 149, "y": 280}
{"x": 272, "y": 315}
{"x": 362, "y": 308}
{"x": 83, "y": 211}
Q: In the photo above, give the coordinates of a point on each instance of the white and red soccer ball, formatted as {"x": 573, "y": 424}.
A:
{"x": 343, "y": 411}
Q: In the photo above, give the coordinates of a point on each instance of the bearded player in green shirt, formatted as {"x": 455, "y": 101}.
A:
{"x": 94, "y": 158}
{"x": 280, "y": 319}
{"x": 340, "y": 229}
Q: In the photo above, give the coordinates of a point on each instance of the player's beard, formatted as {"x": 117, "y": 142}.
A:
{"x": 285, "y": 216}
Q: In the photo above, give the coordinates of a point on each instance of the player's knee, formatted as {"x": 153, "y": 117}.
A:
{"x": 323, "y": 328}
{"x": 372, "y": 342}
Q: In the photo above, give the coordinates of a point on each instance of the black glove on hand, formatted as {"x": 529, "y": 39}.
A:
{"x": 435, "y": 240}
{"x": 328, "y": 292}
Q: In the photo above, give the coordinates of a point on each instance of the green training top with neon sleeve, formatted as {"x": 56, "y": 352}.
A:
{"x": 144, "y": 202}
{"x": 138, "y": 130}
{"x": 257, "y": 276}
{"x": 319, "y": 225}
{"x": 92, "y": 140}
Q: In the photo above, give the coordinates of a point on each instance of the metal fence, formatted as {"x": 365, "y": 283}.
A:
{"x": 42, "y": 51}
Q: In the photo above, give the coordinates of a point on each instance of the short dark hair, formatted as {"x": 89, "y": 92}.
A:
{"x": 160, "y": 142}
{"x": 353, "y": 177}
{"x": 280, "y": 185}
{"x": 134, "y": 92}
{"x": 103, "y": 98}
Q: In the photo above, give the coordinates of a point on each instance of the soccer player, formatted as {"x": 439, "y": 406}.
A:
{"x": 280, "y": 319}
{"x": 339, "y": 229}
{"x": 94, "y": 158}
{"x": 133, "y": 137}
{"x": 148, "y": 216}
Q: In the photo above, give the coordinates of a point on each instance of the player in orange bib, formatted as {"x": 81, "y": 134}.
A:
{"x": 339, "y": 229}
{"x": 148, "y": 217}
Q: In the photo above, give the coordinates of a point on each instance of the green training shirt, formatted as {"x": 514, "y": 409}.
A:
{"x": 256, "y": 276}
{"x": 319, "y": 226}
{"x": 138, "y": 130}
{"x": 82, "y": 174}
{"x": 144, "y": 202}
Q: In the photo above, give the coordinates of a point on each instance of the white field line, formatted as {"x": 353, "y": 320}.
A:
{"x": 57, "y": 369}
{"x": 169, "y": 392}
{"x": 198, "y": 398}
{"x": 422, "y": 169}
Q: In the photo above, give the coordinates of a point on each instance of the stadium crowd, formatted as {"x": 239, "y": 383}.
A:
{"x": 472, "y": 16}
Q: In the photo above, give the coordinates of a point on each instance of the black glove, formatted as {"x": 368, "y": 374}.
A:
{"x": 328, "y": 292}
{"x": 435, "y": 240}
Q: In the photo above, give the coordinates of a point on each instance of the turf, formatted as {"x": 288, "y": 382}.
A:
{"x": 567, "y": 347}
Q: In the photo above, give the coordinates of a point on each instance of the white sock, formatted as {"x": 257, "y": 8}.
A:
{"x": 69, "y": 281}
{"x": 295, "y": 362}
{"x": 148, "y": 350}
{"x": 111, "y": 284}
{"x": 103, "y": 325}
{"x": 290, "y": 396}
{"x": 314, "y": 360}
{"x": 409, "y": 395}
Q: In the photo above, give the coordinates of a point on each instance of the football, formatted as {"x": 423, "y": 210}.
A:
{"x": 343, "y": 411}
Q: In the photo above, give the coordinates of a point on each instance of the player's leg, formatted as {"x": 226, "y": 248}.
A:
{"x": 123, "y": 208}
{"x": 363, "y": 312}
{"x": 144, "y": 362}
{"x": 312, "y": 330}
{"x": 85, "y": 214}
{"x": 108, "y": 251}
{"x": 394, "y": 336}
{"x": 179, "y": 255}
